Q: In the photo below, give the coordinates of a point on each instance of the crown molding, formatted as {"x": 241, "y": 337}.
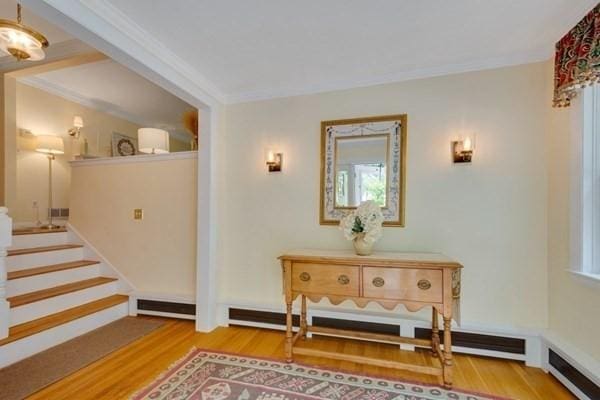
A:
{"x": 131, "y": 29}
{"x": 116, "y": 28}
{"x": 565, "y": 22}
{"x": 397, "y": 77}
{"x": 103, "y": 26}
{"x": 100, "y": 106}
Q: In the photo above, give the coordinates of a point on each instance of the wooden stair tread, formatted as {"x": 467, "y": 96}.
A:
{"x": 42, "y": 249}
{"x": 36, "y": 231}
{"x": 39, "y": 295}
{"x": 50, "y": 321}
{"x": 49, "y": 268}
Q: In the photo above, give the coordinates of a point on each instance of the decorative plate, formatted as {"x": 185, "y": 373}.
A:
{"x": 123, "y": 145}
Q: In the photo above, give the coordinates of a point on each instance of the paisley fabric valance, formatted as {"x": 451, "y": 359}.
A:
{"x": 577, "y": 62}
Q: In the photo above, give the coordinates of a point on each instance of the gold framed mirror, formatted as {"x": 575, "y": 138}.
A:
{"x": 363, "y": 159}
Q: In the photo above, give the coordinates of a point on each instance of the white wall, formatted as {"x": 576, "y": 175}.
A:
{"x": 46, "y": 114}
{"x": 573, "y": 302}
{"x": 491, "y": 216}
{"x": 158, "y": 253}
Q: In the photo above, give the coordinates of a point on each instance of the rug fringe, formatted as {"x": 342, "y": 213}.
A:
{"x": 356, "y": 374}
{"x": 162, "y": 374}
{"x": 319, "y": 367}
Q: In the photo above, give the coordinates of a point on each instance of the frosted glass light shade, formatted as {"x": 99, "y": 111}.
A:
{"x": 153, "y": 141}
{"x": 20, "y": 44}
{"x": 49, "y": 144}
{"x": 78, "y": 122}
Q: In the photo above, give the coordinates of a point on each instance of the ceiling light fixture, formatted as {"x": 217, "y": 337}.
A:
{"x": 20, "y": 41}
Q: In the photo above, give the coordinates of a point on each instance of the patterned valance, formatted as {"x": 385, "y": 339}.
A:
{"x": 577, "y": 62}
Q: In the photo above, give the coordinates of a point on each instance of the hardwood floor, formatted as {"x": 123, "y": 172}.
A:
{"x": 129, "y": 369}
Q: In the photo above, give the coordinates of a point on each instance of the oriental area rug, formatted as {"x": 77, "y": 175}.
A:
{"x": 207, "y": 375}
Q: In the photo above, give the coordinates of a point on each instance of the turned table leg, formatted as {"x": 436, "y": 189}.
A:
{"x": 288, "y": 332}
{"x": 447, "y": 362}
{"x": 435, "y": 333}
{"x": 303, "y": 324}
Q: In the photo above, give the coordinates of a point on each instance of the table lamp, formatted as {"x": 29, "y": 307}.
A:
{"x": 153, "y": 141}
{"x": 50, "y": 145}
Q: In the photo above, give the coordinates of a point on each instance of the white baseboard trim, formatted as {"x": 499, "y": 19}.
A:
{"x": 582, "y": 362}
{"x": 533, "y": 344}
{"x": 173, "y": 298}
{"x": 567, "y": 383}
{"x": 176, "y": 300}
{"x": 166, "y": 314}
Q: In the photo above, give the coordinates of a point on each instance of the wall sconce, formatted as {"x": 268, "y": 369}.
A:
{"x": 273, "y": 161}
{"x": 462, "y": 150}
{"x": 75, "y": 131}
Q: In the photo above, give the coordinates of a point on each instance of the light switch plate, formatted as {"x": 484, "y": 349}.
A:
{"x": 138, "y": 213}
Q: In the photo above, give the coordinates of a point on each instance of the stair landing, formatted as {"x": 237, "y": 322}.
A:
{"x": 33, "y": 231}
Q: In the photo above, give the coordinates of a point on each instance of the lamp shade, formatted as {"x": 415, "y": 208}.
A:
{"x": 50, "y": 144}
{"x": 152, "y": 140}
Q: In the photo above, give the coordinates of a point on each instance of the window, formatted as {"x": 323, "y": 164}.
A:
{"x": 342, "y": 189}
{"x": 360, "y": 182}
{"x": 589, "y": 215}
{"x": 371, "y": 183}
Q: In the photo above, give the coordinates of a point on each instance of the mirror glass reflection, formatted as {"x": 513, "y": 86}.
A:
{"x": 361, "y": 171}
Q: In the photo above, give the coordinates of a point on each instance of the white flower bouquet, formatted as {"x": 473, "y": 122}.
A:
{"x": 364, "y": 225}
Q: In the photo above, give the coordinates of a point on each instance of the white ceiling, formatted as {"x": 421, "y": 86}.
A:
{"x": 268, "y": 48}
{"x": 109, "y": 87}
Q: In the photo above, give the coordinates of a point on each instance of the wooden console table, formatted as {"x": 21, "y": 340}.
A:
{"x": 415, "y": 280}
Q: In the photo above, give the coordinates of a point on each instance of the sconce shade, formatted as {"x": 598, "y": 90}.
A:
{"x": 153, "y": 141}
{"x": 462, "y": 150}
{"x": 78, "y": 122}
{"x": 273, "y": 160}
{"x": 49, "y": 144}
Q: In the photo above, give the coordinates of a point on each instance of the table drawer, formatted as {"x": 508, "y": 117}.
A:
{"x": 325, "y": 279}
{"x": 403, "y": 284}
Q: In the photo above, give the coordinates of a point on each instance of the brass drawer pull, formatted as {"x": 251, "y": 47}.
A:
{"x": 424, "y": 284}
{"x": 378, "y": 282}
{"x": 305, "y": 277}
{"x": 343, "y": 280}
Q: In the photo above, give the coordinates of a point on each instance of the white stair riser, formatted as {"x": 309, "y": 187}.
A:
{"x": 38, "y": 309}
{"x": 24, "y": 261}
{"x": 16, "y": 287}
{"x": 38, "y": 240}
{"x": 26, "y": 347}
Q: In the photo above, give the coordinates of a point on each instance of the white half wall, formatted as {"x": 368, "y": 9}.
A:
{"x": 158, "y": 253}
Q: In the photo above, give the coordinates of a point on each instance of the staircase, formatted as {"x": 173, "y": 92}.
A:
{"x": 56, "y": 289}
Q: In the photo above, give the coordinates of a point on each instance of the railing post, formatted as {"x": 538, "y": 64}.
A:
{"x": 5, "y": 241}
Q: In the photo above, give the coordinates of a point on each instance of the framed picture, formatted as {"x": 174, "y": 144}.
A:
{"x": 363, "y": 159}
{"x": 123, "y": 145}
